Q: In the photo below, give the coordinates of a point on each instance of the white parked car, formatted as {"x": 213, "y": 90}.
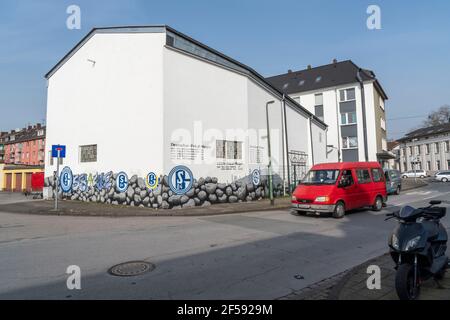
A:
{"x": 411, "y": 174}
{"x": 443, "y": 176}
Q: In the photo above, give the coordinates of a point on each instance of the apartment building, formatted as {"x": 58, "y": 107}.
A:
{"x": 23, "y": 155}
{"x": 426, "y": 148}
{"x": 350, "y": 100}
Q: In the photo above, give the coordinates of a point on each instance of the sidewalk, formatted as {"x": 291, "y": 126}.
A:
{"x": 351, "y": 285}
{"x": 78, "y": 208}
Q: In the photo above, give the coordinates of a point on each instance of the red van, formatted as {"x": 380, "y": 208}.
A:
{"x": 339, "y": 187}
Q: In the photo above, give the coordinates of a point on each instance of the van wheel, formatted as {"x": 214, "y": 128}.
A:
{"x": 422, "y": 177}
{"x": 339, "y": 210}
{"x": 404, "y": 177}
{"x": 378, "y": 205}
{"x": 397, "y": 191}
{"x": 444, "y": 180}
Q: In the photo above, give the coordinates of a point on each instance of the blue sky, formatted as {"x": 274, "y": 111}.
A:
{"x": 410, "y": 54}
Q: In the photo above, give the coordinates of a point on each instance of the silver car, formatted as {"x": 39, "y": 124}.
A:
{"x": 443, "y": 176}
{"x": 414, "y": 174}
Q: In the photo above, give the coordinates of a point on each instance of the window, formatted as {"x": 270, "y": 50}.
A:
{"x": 438, "y": 165}
{"x": 88, "y": 153}
{"x": 363, "y": 176}
{"x": 383, "y": 124}
{"x": 347, "y": 178}
{"x": 347, "y": 94}
{"x": 436, "y": 145}
{"x": 348, "y": 118}
{"x": 228, "y": 149}
{"x": 383, "y": 144}
{"x": 318, "y": 105}
{"x": 447, "y": 146}
{"x": 410, "y": 150}
{"x": 428, "y": 165}
{"x": 448, "y": 164}
{"x": 381, "y": 103}
{"x": 318, "y": 177}
{"x": 349, "y": 142}
{"x": 427, "y": 148}
{"x": 318, "y": 111}
{"x": 377, "y": 175}
{"x": 40, "y": 132}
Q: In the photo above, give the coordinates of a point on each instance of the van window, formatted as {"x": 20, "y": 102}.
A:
{"x": 347, "y": 177}
{"x": 363, "y": 176}
{"x": 377, "y": 175}
{"x": 318, "y": 177}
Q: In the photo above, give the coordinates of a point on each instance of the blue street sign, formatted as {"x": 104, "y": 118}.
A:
{"x": 61, "y": 149}
{"x": 181, "y": 180}
{"x": 66, "y": 179}
{"x": 122, "y": 182}
{"x": 256, "y": 177}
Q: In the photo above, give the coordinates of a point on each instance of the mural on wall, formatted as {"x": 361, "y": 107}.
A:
{"x": 176, "y": 190}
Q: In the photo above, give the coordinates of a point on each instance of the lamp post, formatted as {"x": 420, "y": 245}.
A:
{"x": 270, "y": 154}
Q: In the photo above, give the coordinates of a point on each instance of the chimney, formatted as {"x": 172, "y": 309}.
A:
{"x": 30, "y": 127}
{"x": 38, "y": 125}
{"x": 289, "y": 71}
{"x": 335, "y": 61}
{"x": 309, "y": 67}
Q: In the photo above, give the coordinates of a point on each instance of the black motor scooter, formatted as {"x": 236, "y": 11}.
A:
{"x": 417, "y": 246}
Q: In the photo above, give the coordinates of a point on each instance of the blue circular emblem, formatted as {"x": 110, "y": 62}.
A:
{"x": 66, "y": 179}
{"x": 122, "y": 182}
{"x": 181, "y": 180}
{"x": 152, "y": 180}
{"x": 256, "y": 177}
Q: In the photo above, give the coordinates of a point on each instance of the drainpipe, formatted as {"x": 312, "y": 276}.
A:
{"x": 283, "y": 147}
{"x": 363, "y": 102}
{"x": 287, "y": 145}
{"x": 311, "y": 136}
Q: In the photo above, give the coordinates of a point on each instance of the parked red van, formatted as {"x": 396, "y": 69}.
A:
{"x": 339, "y": 187}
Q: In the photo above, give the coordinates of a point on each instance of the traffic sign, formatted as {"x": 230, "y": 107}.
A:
{"x": 181, "y": 180}
{"x": 61, "y": 149}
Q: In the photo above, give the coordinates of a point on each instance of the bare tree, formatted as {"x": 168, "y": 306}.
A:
{"x": 440, "y": 116}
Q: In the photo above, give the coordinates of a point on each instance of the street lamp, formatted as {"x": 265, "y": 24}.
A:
{"x": 270, "y": 154}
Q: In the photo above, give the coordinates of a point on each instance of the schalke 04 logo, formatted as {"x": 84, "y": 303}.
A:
{"x": 181, "y": 180}
{"x": 256, "y": 177}
{"x": 152, "y": 180}
{"x": 66, "y": 179}
{"x": 122, "y": 182}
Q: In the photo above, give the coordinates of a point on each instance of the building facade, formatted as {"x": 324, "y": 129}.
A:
{"x": 24, "y": 154}
{"x": 151, "y": 98}
{"x": 426, "y": 149}
{"x": 350, "y": 100}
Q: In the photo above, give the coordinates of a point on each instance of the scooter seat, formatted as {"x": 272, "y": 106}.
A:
{"x": 437, "y": 212}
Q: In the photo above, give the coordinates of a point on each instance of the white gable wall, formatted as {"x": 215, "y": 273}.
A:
{"x": 116, "y": 104}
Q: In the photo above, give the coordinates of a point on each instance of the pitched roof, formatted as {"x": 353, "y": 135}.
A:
{"x": 26, "y": 134}
{"x": 330, "y": 75}
{"x": 428, "y": 131}
{"x": 165, "y": 28}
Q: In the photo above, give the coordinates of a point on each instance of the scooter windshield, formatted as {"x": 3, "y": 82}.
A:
{"x": 406, "y": 212}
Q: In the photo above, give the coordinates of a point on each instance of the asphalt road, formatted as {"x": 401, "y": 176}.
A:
{"x": 258, "y": 255}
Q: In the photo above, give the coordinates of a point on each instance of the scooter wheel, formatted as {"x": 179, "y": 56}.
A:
{"x": 404, "y": 283}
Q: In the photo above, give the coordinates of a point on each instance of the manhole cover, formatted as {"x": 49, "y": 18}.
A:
{"x": 132, "y": 268}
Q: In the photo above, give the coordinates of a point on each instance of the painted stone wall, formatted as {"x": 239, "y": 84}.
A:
{"x": 207, "y": 191}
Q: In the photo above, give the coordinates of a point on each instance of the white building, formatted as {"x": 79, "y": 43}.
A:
{"x": 141, "y": 99}
{"x": 426, "y": 149}
{"x": 350, "y": 100}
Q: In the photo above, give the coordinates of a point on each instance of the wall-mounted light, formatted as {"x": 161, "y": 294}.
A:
{"x": 92, "y": 61}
